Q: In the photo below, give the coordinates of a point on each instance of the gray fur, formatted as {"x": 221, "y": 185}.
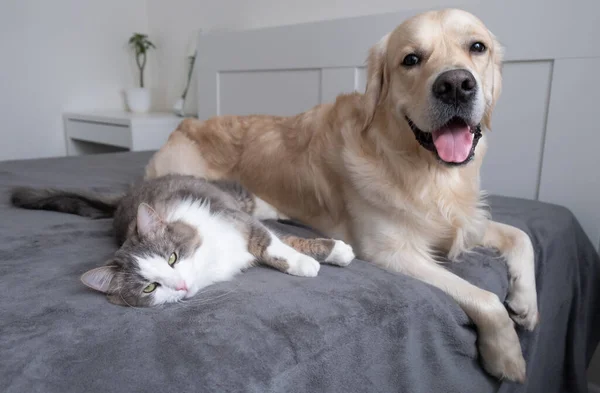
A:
{"x": 162, "y": 192}
{"x": 80, "y": 203}
{"x": 125, "y": 287}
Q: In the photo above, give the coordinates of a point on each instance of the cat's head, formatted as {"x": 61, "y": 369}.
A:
{"x": 152, "y": 266}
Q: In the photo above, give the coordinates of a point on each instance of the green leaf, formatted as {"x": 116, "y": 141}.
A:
{"x": 140, "y": 43}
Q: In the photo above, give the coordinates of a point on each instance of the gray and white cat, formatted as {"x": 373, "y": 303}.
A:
{"x": 178, "y": 234}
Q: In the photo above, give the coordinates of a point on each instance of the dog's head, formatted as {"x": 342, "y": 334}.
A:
{"x": 440, "y": 72}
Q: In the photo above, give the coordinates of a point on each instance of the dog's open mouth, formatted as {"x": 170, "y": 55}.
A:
{"x": 454, "y": 143}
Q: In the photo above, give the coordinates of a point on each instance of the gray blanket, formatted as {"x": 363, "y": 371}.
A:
{"x": 354, "y": 329}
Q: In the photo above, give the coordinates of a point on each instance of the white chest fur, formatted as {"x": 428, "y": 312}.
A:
{"x": 224, "y": 249}
{"x": 423, "y": 207}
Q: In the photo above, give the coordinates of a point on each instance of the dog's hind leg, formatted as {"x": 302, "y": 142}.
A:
{"x": 179, "y": 155}
{"x": 208, "y": 149}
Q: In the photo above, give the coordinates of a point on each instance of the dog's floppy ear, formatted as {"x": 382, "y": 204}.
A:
{"x": 494, "y": 78}
{"x": 376, "y": 78}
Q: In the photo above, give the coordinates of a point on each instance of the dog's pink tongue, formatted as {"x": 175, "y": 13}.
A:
{"x": 453, "y": 142}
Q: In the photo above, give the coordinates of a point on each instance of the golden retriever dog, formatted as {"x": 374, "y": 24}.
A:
{"x": 393, "y": 171}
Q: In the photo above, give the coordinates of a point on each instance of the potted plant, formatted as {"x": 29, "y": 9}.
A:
{"x": 138, "y": 98}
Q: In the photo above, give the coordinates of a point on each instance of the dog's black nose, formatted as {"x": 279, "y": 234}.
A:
{"x": 454, "y": 87}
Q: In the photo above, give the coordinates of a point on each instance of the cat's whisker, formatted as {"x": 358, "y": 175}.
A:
{"x": 200, "y": 299}
{"x": 125, "y": 301}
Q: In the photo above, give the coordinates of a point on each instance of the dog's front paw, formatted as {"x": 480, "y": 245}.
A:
{"x": 522, "y": 307}
{"x": 521, "y": 301}
{"x": 341, "y": 254}
{"x": 501, "y": 355}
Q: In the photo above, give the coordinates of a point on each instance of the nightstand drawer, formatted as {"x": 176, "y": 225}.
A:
{"x": 110, "y": 131}
{"x": 97, "y": 132}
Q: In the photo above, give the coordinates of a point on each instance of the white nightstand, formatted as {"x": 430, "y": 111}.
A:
{"x": 99, "y": 132}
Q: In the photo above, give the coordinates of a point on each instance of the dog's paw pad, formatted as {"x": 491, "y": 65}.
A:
{"x": 522, "y": 306}
{"x": 522, "y": 316}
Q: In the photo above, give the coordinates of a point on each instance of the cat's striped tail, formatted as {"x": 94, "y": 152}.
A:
{"x": 81, "y": 203}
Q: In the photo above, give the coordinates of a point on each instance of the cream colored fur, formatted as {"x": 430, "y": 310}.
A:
{"x": 353, "y": 170}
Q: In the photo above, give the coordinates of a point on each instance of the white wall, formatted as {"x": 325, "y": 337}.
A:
{"x": 173, "y": 23}
{"x": 68, "y": 55}
{"x": 61, "y": 55}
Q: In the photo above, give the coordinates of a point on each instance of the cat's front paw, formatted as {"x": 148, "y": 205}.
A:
{"x": 303, "y": 266}
{"x": 281, "y": 216}
{"x": 341, "y": 254}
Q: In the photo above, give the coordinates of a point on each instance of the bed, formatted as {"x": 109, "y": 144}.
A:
{"x": 354, "y": 329}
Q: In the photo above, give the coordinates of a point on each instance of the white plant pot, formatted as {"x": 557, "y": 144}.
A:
{"x": 138, "y": 99}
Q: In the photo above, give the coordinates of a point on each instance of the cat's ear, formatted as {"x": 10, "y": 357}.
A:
{"x": 148, "y": 220}
{"x": 99, "y": 278}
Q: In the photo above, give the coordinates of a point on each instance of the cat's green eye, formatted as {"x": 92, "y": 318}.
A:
{"x": 172, "y": 259}
{"x": 150, "y": 287}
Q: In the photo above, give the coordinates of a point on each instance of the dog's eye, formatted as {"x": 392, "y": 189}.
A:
{"x": 411, "y": 60}
{"x": 478, "y": 47}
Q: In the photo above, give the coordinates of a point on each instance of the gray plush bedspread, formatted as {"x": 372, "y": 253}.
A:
{"x": 354, "y": 329}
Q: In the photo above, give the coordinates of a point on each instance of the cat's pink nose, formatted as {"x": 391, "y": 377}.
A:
{"x": 182, "y": 286}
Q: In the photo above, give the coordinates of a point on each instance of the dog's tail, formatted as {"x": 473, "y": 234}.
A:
{"x": 80, "y": 203}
